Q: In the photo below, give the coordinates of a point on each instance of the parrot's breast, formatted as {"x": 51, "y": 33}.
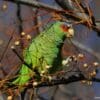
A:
{"x": 43, "y": 50}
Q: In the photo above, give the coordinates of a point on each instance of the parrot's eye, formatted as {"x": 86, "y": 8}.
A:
{"x": 64, "y": 28}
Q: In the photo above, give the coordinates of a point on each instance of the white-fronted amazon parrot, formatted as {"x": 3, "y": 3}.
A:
{"x": 44, "y": 53}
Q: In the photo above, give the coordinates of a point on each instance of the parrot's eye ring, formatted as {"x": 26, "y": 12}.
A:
{"x": 64, "y": 27}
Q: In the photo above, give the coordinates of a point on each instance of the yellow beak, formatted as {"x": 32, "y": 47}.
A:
{"x": 70, "y": 33}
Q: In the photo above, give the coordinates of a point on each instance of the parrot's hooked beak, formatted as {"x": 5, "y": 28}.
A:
{"x": 70, "y": 32}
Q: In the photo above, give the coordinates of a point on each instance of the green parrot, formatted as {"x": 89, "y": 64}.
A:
{"x": 44, "y": 53}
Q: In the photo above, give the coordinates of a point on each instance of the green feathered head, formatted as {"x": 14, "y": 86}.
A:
{"x": 64, "y": 27}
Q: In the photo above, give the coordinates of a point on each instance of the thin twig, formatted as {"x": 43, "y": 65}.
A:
{"x": 27, "y": 65}
{"x": 20, "y": 24}
{"x": 6, "y": 48}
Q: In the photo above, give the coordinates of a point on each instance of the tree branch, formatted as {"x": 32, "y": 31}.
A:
{"x": 71, "y": 79}
{"x": 45, "y": 7}
{"x": 52, "y": 9}
{"x": 36, "y": 4}
{"x": 64, "y": 81}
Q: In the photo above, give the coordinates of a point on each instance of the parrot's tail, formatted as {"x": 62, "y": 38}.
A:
{"x": 24, "y": 75}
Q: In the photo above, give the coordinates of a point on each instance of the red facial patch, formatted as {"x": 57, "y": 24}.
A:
{"x": 64, "y": 28}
